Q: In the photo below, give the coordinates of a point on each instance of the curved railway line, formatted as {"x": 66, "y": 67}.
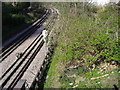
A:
{"x": 12, "y": 75}
{"x": 8, "y": 50}
{"x": 14, "y": 72}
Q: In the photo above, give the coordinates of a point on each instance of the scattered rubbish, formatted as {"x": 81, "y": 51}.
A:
{"x": 118, "y": 71}
{"x": 47, "y": 77}
{"x": 75, "y": 86}
{"x": 99, "y": 77}
{"x": 98, "y": 83}
{"x": 71, "y": 84}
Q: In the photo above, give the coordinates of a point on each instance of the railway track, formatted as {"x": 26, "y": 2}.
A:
{"x": 17, "y": 69}
{"x": 6, "y": 51}
{"x": 14, "y": 72}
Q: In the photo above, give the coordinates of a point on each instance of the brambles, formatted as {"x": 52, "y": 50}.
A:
{"x": 87, "y": 38}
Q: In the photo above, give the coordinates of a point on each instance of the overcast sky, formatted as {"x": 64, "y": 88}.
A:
{"x": 102, "y": 2}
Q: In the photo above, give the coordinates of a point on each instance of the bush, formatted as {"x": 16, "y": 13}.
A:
{"x": 39, "y": 11}
{"x": 17, "y": 19}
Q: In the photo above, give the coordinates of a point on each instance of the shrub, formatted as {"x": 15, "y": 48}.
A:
{"x": 17, "y": 19}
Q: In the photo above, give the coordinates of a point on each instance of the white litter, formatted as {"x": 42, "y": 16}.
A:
{"x": 70, "y": 83}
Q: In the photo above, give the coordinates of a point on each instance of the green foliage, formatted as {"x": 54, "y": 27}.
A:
{"x": 99, "y": 36}
{"x": 17, "y": 17}
{"x": 14, "y": 19}
{"x": 86, "y": 34}
{"x": 9, "y": 8}
{"x": 23, "y": 5}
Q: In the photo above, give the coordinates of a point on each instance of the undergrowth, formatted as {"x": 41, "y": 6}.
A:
{"x": 17, "y": 18}
{"x": 87, "y": 37}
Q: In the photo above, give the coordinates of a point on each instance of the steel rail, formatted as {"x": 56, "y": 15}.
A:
{"x": 17, "y": 66}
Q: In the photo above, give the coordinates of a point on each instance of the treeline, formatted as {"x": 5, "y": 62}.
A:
{"x": 17, "y": 15}
{"x": 96, "y": 30}
{"x": 14, "y": 13}
{"x": 88, "y": 37}
{"x": 11, "y": 13}
{"x": 101, "y": 31}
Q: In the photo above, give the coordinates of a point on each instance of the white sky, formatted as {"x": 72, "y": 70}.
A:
{"x": 101, "y": 2}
